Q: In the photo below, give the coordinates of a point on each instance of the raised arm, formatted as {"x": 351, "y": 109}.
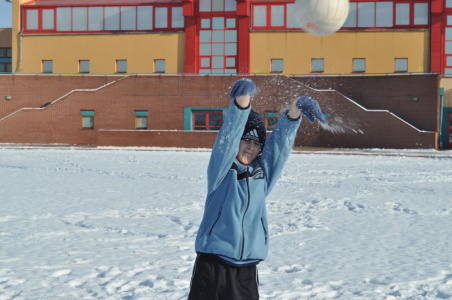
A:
{"x": 227, "y": 142}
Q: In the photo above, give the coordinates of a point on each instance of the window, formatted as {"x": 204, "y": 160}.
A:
{"x": 387, "y": 14}
{"x": 177, "y": 17}
{"x": 141, "y": 120}
{"x": 207, "y": 120}
{"x": 271, "y": 118}
{"x": 47, "y": 66}
{"x": 159, "y": 66}
{"x": 317, "y": 65}
{"x": 121, "y": 66}
{"x": 217, "y": 5}
{"x": 401, "y": 65}
{"x": 161, "y": 17}
{"x": 103, "y": 18}
{"x": 88, "y": 119}
{"x": 277, "y": 65}
{"x": 84, "y": 66}
{"x": 259, "y": 16}
{"x": 359, "y": 65}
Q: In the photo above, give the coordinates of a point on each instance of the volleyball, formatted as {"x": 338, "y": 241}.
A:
{"x": 321, "y": 17}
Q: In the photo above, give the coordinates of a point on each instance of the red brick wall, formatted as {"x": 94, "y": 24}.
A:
{"x": 165, "y": 97}
{"x": 394, "y": 93}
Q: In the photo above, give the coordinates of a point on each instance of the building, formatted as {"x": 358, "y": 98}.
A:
{"x": 229, "y": 37}
{"x": 5, "y": 50}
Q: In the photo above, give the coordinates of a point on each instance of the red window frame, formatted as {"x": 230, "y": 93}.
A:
{"x": 411, "y": 24}
{"x": 54, "y": 8}
{"x": 207, "y": 125}
{"x": 40, "y": 20}
{"x": 268, "y": 16}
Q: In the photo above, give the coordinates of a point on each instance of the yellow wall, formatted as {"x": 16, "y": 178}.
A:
{"x": 446, "y": 83}
{"x": 103, "y": 50}
{"x": 379, "y": 48}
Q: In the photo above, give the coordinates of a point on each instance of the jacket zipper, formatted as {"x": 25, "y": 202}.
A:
{"x": 265, "y": 230}
{"x": 215, "y": 223}
{"x": 244, "y": 214}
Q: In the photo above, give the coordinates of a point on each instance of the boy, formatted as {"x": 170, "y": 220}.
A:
{"x": 243, "y": 168}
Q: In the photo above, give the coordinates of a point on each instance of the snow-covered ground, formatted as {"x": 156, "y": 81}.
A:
{"x": 121, "y": 224}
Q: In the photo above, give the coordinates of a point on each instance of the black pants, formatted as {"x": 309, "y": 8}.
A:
{"x": 215, "y": 280}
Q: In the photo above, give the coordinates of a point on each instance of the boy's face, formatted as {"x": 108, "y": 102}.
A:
{"x": 248, "y": 151}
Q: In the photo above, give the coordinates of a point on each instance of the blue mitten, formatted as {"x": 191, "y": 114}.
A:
{"x": 311, "y": 109}
{"x": 243, "y": 87}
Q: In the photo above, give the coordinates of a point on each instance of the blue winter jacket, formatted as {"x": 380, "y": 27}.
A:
{"x": 235, "y": 219}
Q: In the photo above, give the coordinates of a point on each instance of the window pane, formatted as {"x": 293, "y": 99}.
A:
{"x": 218, "y": 62}
{"x": 291, "y": 22}
{"x": 141, "y": 122}
{"x": 178, "y": 18}
{"x": 200, "y": 119}
{"x": 277, "y": 15}
{"x": 205, "y": 62}
{"x": 121, "y": 66}
{"x": 205, "y": 49}
{"x": 401, "y": 65}
{"x": 205, "y": 23}
{"x": 384, "y": 14}
{"x": 112, "y": 18}
{"x": 217, "y": 5}
{"x": 160, "y": 66}
{"x": 84, "y": 66}
{"x": 218, "y": 23}
{"x": 88, "y": 122}
{"x": 48, "y": 19}
{"x": 144, "y": 17}
{"x": 161, "y": 17}
{"x": 215, "y": 119}
{"x": 218, "y": 36}
{"x": 318, "y": 65}
{"x": 64, "y": 19}
{"x": 9, "y": 52}
{"x": 231, "y": 49}
{"x": 448, "y": 47}
{"x": 205, "y": 5}
{"x": 79, "y": 21}
{"x": 359, "y": 65}
{"x": 231, "y": 36}
{"x": 351, "y": 18}
{"x": 449, "y": 33}
{"x": 449, "y": 61}
{"x": 420, "y": 13}
{"x": 230, "y": 23}
{"x": 205, "y": 36}
{"x": 230, "y": 62}
{"x": 32, "y": 19}
{"x": 128, "y": 18}
{"x": 448, "y": 3}
{"x": 260, "y": 16}
{"x": 47, "y": 66}
{"x": 277, "y": 65}
{"x": 402, "y": 14}
{"x": 366, "y": 14}
{"x": 230, "y": 5}
{"x": 218, "y": 49}
{"x": 96, "y": 18}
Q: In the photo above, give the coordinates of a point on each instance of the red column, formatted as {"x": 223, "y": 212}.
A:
{"x": 243, "y": 20}
{"x": 190, "y": 36}
{"x": 436, "y": 36}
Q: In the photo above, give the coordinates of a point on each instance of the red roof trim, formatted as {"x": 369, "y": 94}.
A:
{"x": 95, "y": 2}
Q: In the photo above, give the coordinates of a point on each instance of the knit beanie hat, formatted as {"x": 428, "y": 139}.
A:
{"x": 255, "y": 129}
